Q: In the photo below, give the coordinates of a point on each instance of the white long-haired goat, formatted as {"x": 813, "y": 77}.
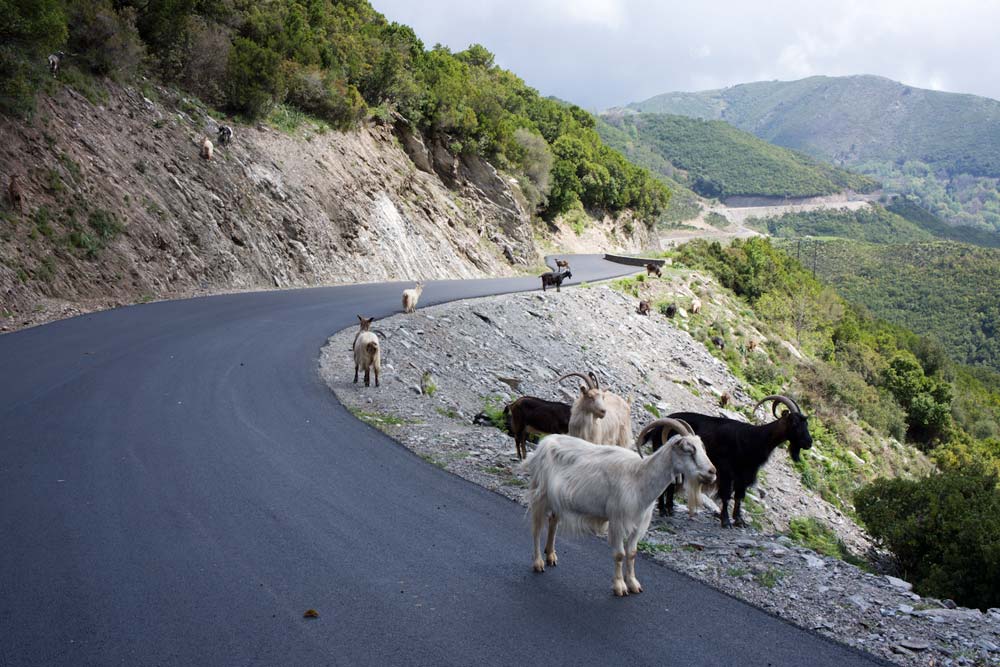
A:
{"x": 411, "y": 296}
{"x": 367, "y": 353}
{"x": 585, "y": 487}
{"x": 598, "y": 415}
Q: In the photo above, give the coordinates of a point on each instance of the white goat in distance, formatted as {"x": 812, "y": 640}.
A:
{"x": 598, "y": 415}
{"x": 411, "y": 296}
{"x": 585, "y": 487}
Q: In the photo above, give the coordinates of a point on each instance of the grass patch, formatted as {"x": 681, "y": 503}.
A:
{"x": 290, "y": 120}
{"x": 652, "y": 548}
{"x": 493, "y": 408}
{"x": 378, "y": 419}
{"x": 717, "y": 220}
{"x": 769, "y": 578}
{"x": 813, "y": 534}
{"x": 737, "y": 571}
{"x": 447, "y": 412}
{"x": 427, "y": 384}
{"x": 652, "y": 409}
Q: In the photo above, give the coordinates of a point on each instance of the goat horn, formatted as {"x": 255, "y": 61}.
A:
{"x": 777, "y": 398}
{"x": 593, "y": 378}
{"x": 678, "y": 425}
{"x": 589, "y": 381}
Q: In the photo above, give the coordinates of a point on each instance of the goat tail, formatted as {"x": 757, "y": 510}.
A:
{"x": 372, "y": 347}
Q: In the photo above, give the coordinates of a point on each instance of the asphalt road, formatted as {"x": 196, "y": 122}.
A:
{"x": 177, "y": 486}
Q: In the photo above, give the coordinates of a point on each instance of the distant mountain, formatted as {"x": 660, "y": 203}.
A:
{"x": 717, "y": 160}
{"x": 941, "y": 148}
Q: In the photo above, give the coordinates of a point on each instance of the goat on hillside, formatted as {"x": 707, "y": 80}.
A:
{"x": 643, "y": 308}
{"x": 555, "y": 278}
{"x": 206, "y": 148}
{"x": 411, "y": 296}
{"x": 15, "y": 192}
{"x": 527, "y": 415}
{"x": 653, "y": 269}
{"x": 54, "y": 60}
{"x": 561, "y": 264}
{"x": 670, "y": 310}
{"x": 739, "y": 450}
{"x": 586, "y": 487}
{"x": 225, "y": 135}
{"x": 367, "y": 354}
{"x": 695, "y": 306}
{"x": 599, "y": 416}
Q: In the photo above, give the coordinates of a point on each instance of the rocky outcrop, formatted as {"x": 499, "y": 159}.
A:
{"x": 271, "y": 209}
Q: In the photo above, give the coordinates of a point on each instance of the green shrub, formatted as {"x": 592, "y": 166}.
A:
{"x": 325, "y": 96}
{"x": 944, "y": 531}
{"x": 255, "y": 80}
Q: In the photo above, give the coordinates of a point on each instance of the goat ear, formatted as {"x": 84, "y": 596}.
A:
{"x": 583, "y": 390}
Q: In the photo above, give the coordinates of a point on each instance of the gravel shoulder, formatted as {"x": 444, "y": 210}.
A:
{"x": 444, "y": 365}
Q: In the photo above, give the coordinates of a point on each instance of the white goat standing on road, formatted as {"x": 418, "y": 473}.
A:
{"x": 366, "y": 351}
{"x": 586, "y": 486}
{"x": 411, "y": 296}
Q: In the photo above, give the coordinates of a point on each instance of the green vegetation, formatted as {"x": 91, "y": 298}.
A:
{"x": 892, "y": 383}
{"x": 944, "y": 531}
{"x": 873, "y": 224}
{"x": 942, "y": 149}
{"x": 812, "y": 533}
{"x": 715, "y": 159}
{"x": 941, "y": 289}
{"x": 684, "y": 203}
{"x": 652, "y": 548}
{"x": 427, "y": 384}
{"x": 338, "y": 62}
{"x": 493, "y": 408}
{"x": 909, "y": 208}
{"x": 378, "y": 419}
{"x": 769, "y": 578}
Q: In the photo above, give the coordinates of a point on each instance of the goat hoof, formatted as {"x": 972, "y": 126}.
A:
{"x": 727, "y": 524}
{"x": 551, "y": 559}
{"x": 539, "y": 566}
{"x": 739, "y": 523}
{"x": 620, "y": 589}
{"x": 634, "y": 586}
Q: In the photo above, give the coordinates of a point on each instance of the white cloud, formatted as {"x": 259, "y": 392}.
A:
{"x": 600, "y": 53}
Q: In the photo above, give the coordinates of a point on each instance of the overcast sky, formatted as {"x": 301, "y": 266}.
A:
{"x": 601, "y": 53}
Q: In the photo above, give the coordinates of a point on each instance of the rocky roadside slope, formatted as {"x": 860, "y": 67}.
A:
{"x": 120, "y": 208}
{"x": 444, "y": 365}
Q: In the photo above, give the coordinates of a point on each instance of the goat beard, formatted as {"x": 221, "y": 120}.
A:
{"x": 795, "y": 453}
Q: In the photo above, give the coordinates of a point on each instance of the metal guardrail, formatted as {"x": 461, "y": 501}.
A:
{"x": 632, "y": 261}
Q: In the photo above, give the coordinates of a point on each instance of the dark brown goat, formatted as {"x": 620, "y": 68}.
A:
{"x": 528, "y": 415}
{"x": 653, "y": 269}
{"x": 555, "y": 278}
{"x": 15, "y": 192}
{"x": 643, "y": 308}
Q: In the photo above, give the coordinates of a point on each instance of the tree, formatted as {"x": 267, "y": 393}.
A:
{"x": 944, "y": 531}
{"x": 254, "y": 78}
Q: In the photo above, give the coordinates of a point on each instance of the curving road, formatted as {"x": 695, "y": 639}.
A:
{"x": 177, "y": 486}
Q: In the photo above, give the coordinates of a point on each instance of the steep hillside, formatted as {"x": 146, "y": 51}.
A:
{"x": 872, "y": 223}
{"x": 946, "y": 290}
{"x": 391, "y": 160}
{"x": 119, "y": 208}
{"x": 717, "y": 160}
{"x": 944, "y": 148}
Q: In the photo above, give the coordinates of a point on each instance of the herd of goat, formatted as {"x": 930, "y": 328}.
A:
{"x": 588, "y": 473}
